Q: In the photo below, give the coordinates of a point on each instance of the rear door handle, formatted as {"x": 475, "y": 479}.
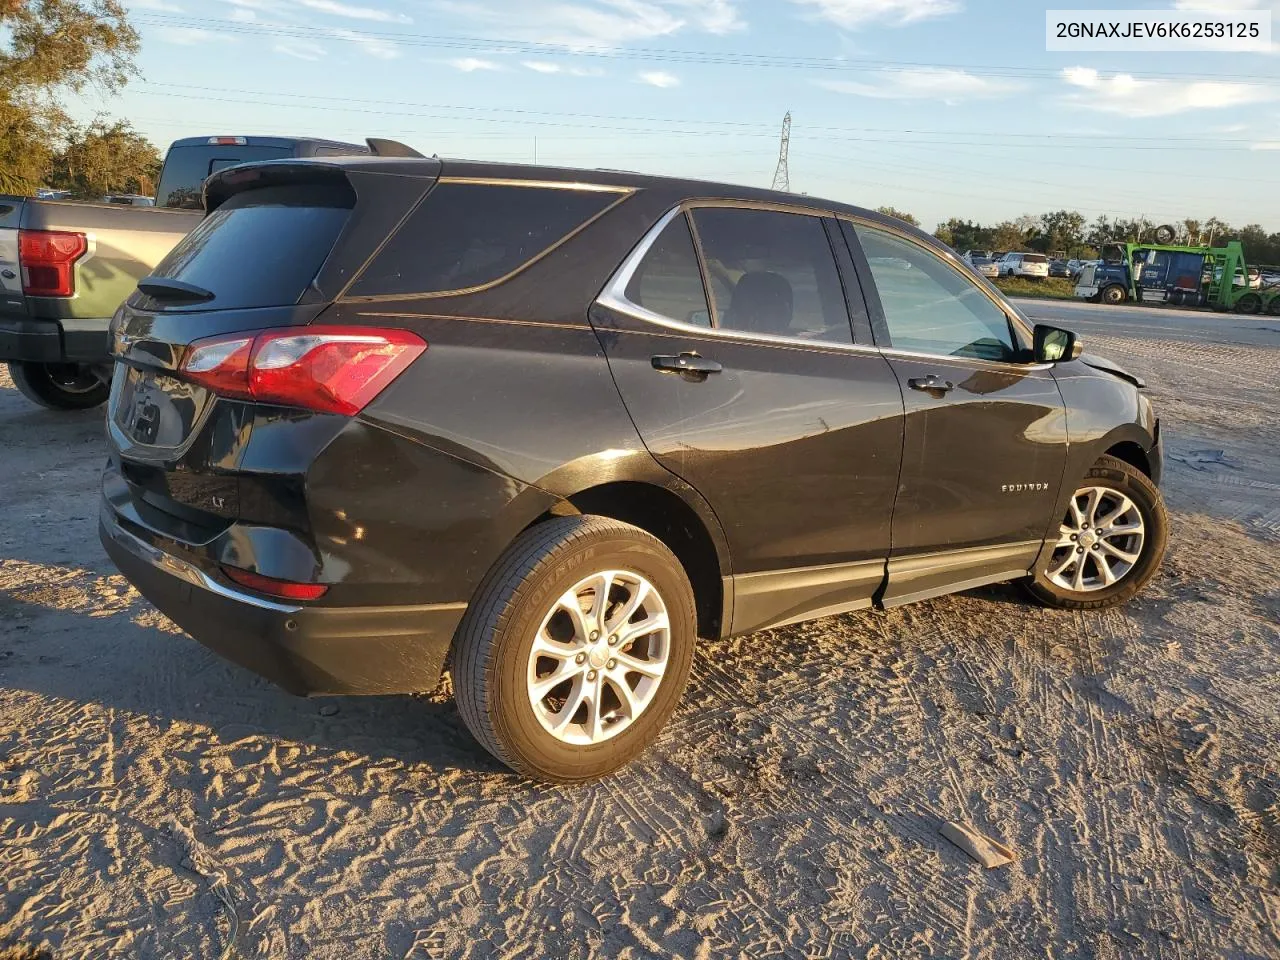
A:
{"x": 688, "y": 365}
{"x": 931, "y": 384}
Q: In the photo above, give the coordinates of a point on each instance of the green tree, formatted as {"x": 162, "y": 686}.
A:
{"x": 106, "y": 158}
{"x": 49, "y": 49}
{"x": 1007, "y": 236}
{"x": 891, "y": 212}
{"x": 1062, "y": 230}
{"x": 964, "y": 235}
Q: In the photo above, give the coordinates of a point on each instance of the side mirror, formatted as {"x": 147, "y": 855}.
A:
{"x": 1053, "y": 344}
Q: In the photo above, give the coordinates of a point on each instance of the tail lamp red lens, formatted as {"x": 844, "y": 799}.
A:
{"x": 326, "y": 369}
{"x": 48, "y": 260}
{"x": 285, "y": 589}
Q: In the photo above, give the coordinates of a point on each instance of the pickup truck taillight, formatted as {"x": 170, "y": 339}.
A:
{"x": 48, "y": 259}
{"x": 326, "y": 369}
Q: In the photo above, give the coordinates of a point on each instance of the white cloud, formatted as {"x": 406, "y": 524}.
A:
{"x": 472, "y": 64}
{"x": 243, "y": 15}
{"x": 924, "y": 83}
{"x": 1266, "y": 145}
{"x": 852, "y": 14}
{"x": 374, "y": 47}
{"x": 659, "y": 78}
{"x": 1128, "y": 96}
{"x": 545, "y": 66}
{"x": 161, "y": 5}
{"x": 191, "y": 36}
{"x": 300, "y": 49}
{"x": 595, "y": 24}
{"x": 335, "y": 9}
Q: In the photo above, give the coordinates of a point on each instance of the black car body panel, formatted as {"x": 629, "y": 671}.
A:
{"x": 799, "y": 477}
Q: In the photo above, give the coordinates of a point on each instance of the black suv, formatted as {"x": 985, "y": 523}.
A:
{"x": 380, "y": 414}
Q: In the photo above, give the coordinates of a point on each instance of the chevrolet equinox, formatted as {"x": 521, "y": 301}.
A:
{"x": 381, "y": 415}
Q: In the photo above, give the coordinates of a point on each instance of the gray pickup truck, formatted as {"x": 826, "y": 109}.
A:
{"x": 66, "y": 266}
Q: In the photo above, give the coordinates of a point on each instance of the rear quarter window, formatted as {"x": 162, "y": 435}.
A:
{"x": 262, "y": 248}
{"x": 468, "y": 235}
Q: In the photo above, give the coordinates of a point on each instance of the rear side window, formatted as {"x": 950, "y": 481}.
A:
{"x": 668, "y": 281}
{"x": 772, "y": 273}
{"x": 1034, "y": 258}
{"x": 262, "y": 248}
{"x": 187, "y": 168}
{"x": 468, "y": 235}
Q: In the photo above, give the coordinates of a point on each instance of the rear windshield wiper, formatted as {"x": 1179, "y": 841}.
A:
{"x": 163, "y": 288}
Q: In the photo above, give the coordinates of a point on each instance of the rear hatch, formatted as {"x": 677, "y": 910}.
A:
{"x": 280, "y": 242}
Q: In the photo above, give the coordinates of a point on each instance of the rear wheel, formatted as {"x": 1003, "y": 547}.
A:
{"x": 1114, "y": 294}
{"x": 1273, "y": 307}
{"x": 59, "y": 386}
{"x": 1110, "y": 543}
{"x": 1249, "y": 303}
{"x": 576, "y": 649}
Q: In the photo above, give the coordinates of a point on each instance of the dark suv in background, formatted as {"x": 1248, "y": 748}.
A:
{"x": 377, "y": 414}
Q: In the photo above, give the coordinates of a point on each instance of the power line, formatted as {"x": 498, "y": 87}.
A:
{"x": 702, "y": 123}
{"x": 729, "y": 58}
{"x": 947, "y": 140}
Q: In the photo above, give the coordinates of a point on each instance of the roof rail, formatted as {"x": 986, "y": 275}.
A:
{"x": 391, "y": 148}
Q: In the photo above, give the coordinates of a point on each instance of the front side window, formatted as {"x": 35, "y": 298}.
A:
{"x": 667, "y": 281}
{"x": 931, "y": 307}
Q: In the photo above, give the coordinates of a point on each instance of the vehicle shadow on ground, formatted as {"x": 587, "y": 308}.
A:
{"x": 169, "y": 678}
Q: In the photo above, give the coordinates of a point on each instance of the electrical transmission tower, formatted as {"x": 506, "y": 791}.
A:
{"x": 781, "y": 176}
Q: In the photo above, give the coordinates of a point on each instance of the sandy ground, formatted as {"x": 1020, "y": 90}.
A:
{"x": 157, "y": 802}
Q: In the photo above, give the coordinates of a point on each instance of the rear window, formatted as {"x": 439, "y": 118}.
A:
{"x": 467, "y": 235}
{"x": 262, "y": 248}
{"x": 1034, "y": 258}
{"x": 187, "y": 168}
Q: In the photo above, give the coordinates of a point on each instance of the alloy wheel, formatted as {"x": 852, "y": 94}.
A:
{"x": 598, "y": 657}
{"x": 1099, "y": 542}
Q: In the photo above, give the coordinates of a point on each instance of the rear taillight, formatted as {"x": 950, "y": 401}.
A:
{"x": 327, "y": 369}
{"x": 285, "y": 589}
{"x": 48, "y": 260}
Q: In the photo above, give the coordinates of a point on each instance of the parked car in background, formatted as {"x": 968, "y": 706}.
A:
{"x": 1059, "y": 268}
{"x": 1032, "y": 265}
{"x": 554, "y": 425}
{"x": 130, "y": 199}
{"x": 985, "y": 266}
{"x": 66, "y": 266}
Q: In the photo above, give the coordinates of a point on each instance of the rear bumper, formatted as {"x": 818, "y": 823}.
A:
{"x": 51, "y": 341}
{"x": 303, "y": 648}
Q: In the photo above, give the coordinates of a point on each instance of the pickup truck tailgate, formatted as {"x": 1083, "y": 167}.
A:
{"x": 10, "y": 273}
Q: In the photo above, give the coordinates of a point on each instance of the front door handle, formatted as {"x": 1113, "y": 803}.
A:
{"x": 688, "y": 365}
{"x": 933, "y": 384}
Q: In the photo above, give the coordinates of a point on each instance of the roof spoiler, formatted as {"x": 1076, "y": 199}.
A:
{"x": 391, "y": 148}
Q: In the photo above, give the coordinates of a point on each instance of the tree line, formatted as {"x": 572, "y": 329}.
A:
{"x": 1068, "y": 233}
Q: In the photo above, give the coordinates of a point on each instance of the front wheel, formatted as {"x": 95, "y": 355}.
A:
{"x": 1114, "y": 294}
{"x": 59, "y": 386}
{"x": 1110, "y": 543}
{"x": 576, "y": 648}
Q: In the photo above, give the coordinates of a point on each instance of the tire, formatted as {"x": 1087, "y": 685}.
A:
{"x": 59, "y": 386}
{"x": 1113, "y": 294}
{"x": 1120, "y": 480}
{"x": 1165, "y": 234}
{"x": 1249, "y": 303}
{"x": 1273, "y": 308}
{"x": 494, "y": 664}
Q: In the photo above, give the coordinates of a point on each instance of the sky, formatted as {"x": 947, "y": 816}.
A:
{"x": 940, "y": 108}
